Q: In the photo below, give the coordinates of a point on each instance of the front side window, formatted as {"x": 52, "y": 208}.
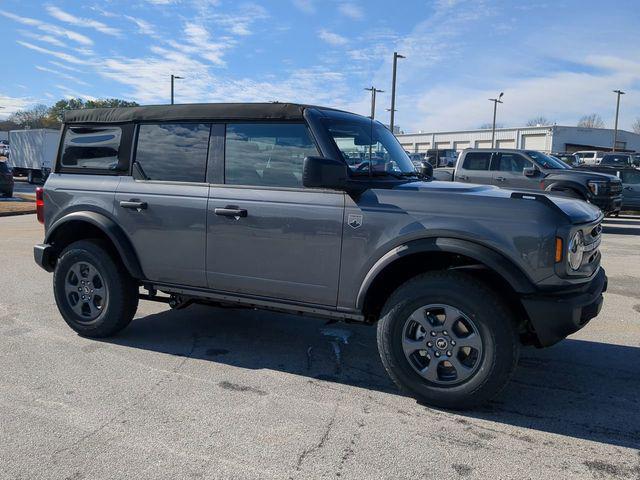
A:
{"x": 615, "y": 160}
{"x": 267, "y": 154}
{"x": 477, "y": 161}
{"x": 174, "y": 152}
{"x": 368, "y": 147}
{"x": 547, "y": 162}
{"x": 512, "y": 162}
{"x": 631, "y": 177}
{"x": 88, "y": 147}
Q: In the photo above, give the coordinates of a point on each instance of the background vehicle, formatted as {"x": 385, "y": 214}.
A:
{"x": 32, "y": 152}
{"x": 442, "y": 158}
{"x": 620, "y": 160}
{"x": 630, "y": 177}
{"x": 590, "y": 157}
{"x": 530, "y": 169}
{"x": 6, "y": 180}
{"x": 315, "y": 211}
{"x": 4, "y": 148}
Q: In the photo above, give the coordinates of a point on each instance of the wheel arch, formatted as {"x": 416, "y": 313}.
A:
{"x": 418, "y": 256}
{"x": 564, "y": 185}
{"x": 85, "y": 224}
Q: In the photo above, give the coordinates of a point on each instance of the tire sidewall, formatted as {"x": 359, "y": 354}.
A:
{"x": 497, "y": 335}
{"x": 89, "y": 252}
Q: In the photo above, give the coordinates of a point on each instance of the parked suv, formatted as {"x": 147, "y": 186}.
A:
{"x": 530, "y": 169}
{"x": 6, "y": 179}
{"x": 310, "y": 210}
{"x": 620, "y": 160}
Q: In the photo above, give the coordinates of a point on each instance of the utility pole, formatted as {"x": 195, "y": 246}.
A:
{"x": 174, "y": 77}
{"x": 373, "y": 91}
{"x": 396, "y": 56}
{"x": 495, "y": 101}
{"x": 615, "y": 128}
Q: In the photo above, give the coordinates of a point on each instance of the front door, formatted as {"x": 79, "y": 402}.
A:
{"x": 508, "y": 171}
{"x": 163, "y": 206}
{"x": 267, "y": 235}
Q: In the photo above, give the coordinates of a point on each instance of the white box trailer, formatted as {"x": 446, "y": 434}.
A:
{"x": 33, "y": 152}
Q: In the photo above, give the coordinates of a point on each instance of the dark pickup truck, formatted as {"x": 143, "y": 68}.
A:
{"x": 630, "y": 177}
{"x": 533, "y": 170}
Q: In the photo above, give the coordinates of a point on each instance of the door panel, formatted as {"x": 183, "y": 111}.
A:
{"x": 286, "y": 247}
{"x": 630, "y": 188}
{"x": 169, "y": 232}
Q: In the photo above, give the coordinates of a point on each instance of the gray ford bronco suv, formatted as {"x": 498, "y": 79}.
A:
{"x": 316, "y": 211}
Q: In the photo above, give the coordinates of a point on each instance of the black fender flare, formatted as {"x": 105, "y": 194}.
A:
{"x": 482, "y": 254}
{"x": 110, "y": 229}
{"x": 559, "y": 184}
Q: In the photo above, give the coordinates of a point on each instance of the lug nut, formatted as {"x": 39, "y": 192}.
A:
{"x": 79, "y": 289}
{"x": 453, "y": 342}
{"x": 448, "y": 353}
{"x": 445, "y": 333}
{"x": 433, "y": 333}
{"x": 83, "y": 297}
{"x": 437, "y": 354}
{"x": 429, "y": 344}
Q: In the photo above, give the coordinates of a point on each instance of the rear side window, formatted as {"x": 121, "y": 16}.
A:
{"x": 173, "y": 152}
{"x": 477, "y": 161}
{"x": 267, "y": 154}
{"x": 91, "y": 147}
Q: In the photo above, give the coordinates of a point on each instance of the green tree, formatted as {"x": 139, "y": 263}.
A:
{"x": 34, "y": 117}
{"x": 61, "y": 106}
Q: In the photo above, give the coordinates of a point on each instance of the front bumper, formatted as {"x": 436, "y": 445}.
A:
{"x": 608, "y": 204}
{"x": 43, "y": 255}
{"x": 555, "y": 316}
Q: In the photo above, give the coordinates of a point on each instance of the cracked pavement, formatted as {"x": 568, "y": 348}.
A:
{"x": 223, "y": 393}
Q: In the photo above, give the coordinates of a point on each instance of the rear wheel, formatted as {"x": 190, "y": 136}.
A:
{"x": 448, "y": 340}
{"x": 95, "y": 294}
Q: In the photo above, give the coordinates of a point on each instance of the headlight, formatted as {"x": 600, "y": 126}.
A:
{"x": 596, "y": 186}
{"x": 576, "y": 250}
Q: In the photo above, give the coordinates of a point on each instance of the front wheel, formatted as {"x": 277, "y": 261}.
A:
{"x": 448, "y": 340}
{"x": 95, "y": 294}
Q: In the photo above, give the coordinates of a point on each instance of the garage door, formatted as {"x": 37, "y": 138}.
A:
{"x": 443, "y": 145}
{"x": 461, "y": 145}
{"x": 506, "y": 144}
{"x": 422, "y": 147}
{"x": 483, "y": 143}
{"x": 534, "y": 142}
{"x": 408, "y": 147}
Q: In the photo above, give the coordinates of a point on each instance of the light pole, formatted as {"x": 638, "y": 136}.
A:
{"x": 396, "y": 56}
{"x": 373, "y": 91}
{"x": 174, "y": 77}
{"x": 495, "y": 101}
{"x": 615, "y": 128}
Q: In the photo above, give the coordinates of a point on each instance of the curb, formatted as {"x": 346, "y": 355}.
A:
{"x": 12, "y": 214}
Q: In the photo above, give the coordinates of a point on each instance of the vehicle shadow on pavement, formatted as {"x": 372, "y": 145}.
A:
{"x": 577, "y": 388}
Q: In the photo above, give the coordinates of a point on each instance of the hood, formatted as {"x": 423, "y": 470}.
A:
{"x": 581, "y": 175}
{"x": 575, "y": 211}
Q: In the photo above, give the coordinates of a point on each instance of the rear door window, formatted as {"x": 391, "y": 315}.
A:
{"x": 477, "y": 161}
{"x": 89, "y": 147}
{"x": 174, "y": 152}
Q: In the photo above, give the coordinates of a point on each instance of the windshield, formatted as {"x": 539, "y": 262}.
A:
{"x": 369, "y": 148}
{"x": 615, "y": 160}
{"x": 547, "y": 162}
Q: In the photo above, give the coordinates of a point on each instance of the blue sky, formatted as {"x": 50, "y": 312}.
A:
{"x": 560, "y": 59}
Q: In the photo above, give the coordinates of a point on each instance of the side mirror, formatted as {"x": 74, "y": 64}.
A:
{"x": 426, "y": 170}
{"x": 530, "y": 171}
{"x": 320, "y": 172}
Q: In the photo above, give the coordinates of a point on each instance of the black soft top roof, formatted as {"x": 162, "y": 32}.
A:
{"x": 192, "y": 111}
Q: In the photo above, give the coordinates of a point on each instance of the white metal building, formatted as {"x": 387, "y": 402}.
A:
{"x": 550, "y": 138}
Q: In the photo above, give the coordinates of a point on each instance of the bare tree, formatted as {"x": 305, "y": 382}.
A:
{"x": 489, "y": 126}
{"x": 636, "y": 126}
{"x": 591, "y": 121}
{"x": 538, "y": 121}
{"x": 35, "y": 117}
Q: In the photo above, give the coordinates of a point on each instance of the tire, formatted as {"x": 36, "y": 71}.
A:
{"x": 487, "y": 366}
{"x": 111, "y": 294}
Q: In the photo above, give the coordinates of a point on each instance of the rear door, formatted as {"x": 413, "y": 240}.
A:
{"x": 630, "y": 188}
{"x": 162, "y": 206}
{"x": 475, "y": 168}
{"x": 508, "y": 170}
{"x": 268, "y": 235}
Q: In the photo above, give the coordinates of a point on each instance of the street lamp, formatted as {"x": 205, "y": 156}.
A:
{"x": 615, "y": 128}
{"x": 495, "y": 101}
{"x": 174, "y": 77}
{"x": 396, "y": 56}
{"x": 373, "y": 91}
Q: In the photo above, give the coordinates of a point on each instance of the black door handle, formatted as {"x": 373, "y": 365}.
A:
{"x": 230, "y": 211}
{"x": 500, "y": 179}
{"x": 628, "y": 188}
{"x": 463, "y": 177}
{"x": 134, "y": 204}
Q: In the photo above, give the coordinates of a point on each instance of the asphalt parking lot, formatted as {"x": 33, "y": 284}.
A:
{"x": 221, "y": 393}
